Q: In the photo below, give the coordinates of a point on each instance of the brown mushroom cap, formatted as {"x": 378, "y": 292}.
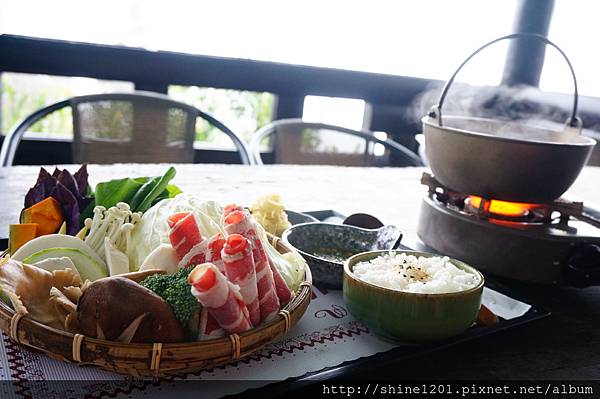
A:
{"x": 109, "y": 305}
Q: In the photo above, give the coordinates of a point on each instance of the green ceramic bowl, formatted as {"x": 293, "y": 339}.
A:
{"x": 410, "y": 317}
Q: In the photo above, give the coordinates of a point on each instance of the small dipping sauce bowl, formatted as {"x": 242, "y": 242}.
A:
{"x": 326, "y": 246}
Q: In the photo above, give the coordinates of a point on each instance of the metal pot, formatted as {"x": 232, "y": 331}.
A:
{"x": 505, "y": 160}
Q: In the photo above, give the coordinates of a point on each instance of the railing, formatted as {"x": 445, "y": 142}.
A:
{"x": 388, "y": 96}
{"x": 156, "y": 70}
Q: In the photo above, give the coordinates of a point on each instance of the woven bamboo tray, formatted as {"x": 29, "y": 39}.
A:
{"x": 155, "y": 359}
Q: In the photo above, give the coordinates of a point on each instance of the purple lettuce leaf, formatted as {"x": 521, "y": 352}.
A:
{"x": 69, "y": 190}
{"x": 34, "y": 195}
{"x": 44, "y": 185}
{"x": 81, "y": 177}
{"x": 70, "y": 183}
{"x": 67, "y": 180}
{"x": 43, "y": 175}
{"x": 68, "y": 205}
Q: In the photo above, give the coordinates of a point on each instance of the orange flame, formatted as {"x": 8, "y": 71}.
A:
{"x": 504, "y": 207}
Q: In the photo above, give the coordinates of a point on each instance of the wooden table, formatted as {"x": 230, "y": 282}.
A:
{"x": 562, "y": 346}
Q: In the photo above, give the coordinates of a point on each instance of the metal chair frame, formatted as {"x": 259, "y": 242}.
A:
{"x": 272, "y": 127}
{"x": 13, "y": 139}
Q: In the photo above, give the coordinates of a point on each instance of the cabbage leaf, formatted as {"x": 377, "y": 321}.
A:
{"x": 153, "y": 228}
{"x": 291, "y": 265}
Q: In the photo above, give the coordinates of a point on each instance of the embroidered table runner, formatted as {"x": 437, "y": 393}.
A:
{"x": 326, "y": 336}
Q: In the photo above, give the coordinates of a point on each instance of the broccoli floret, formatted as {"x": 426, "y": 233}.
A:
{"x": 175, "y": 289}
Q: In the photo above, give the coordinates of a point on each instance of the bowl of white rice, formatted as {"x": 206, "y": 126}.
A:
{"x": 412, "y": 296}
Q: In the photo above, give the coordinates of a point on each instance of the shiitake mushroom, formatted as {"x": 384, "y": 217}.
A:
{"x": 119, "y": 309}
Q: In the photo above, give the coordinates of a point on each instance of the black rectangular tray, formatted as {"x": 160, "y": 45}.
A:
{"x": 401, "y": 353}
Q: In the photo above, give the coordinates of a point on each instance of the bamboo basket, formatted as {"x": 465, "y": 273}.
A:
{"x": 145, "y": 360}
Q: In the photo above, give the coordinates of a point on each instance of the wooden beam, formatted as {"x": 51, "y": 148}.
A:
{"x": 287, "y": 106}
{"x": 152, "y": 86}
{"x": 161, "y": 68}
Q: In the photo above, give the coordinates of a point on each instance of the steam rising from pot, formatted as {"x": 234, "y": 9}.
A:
{"x": 525, "y": 104}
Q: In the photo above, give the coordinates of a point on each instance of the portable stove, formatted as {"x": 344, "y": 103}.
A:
{"x": 552, "y": 243}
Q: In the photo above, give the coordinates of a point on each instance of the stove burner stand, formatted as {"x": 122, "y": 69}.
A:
{"x": 555, "y": 243}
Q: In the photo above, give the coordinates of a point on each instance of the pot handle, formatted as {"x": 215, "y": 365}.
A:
{"x": 573, "y": 122}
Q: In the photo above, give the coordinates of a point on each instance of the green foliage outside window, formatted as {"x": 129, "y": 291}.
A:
{"x": 19, "y": 101}
{"x": 242, "y": 111}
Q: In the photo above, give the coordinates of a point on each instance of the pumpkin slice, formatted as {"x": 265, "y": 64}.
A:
{"x": 20, "y": 234}
{"x": 46, "y": 213}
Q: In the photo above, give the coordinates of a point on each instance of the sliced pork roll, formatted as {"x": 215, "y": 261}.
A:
{"x": 283, "y": 291}
{"x": 215, "y": 247}
{"x": 284, "y": 294}
{"x": 240, "y": 270}
{"x": 240, "y": 222}
{"x": 186, "y": 239}
{"x": 220, "y": 298}
{"x": 209, "y": 327}
{"x": 190, "y": 246}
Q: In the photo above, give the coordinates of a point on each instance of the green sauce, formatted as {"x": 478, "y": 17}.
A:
{"x": 335, "y": 255}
